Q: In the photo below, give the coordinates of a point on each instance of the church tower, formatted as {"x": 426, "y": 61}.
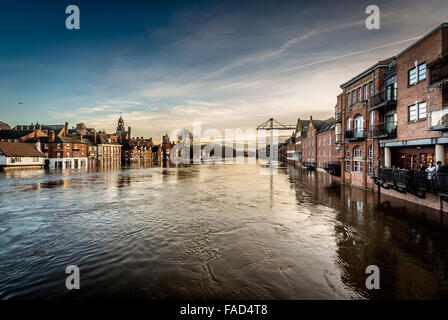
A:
{"x": 120, "y": 127}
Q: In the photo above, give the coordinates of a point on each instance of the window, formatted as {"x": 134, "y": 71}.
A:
{"x": 358, "y": 122}
{"x": 417, "y": 111}
{"x": 68, "y": 154}
{"x": 372, "y": 119}
{"x": 347, "y": 152}
{"x": 348, "y": 124}
{"x": 357, "y": 166}
{"x": 370, "y": 163}
{"x": 372, "y": 89}
{"x": 68, "y": 146}
{"x": 347, "y": 166}
{"x": 366, "y": 90}
{"x": 354, "y": 97}
{"x": 349, "y": 101}
{"x": 59, "y": 146}
{"x": 417, "y": 74}
{"x": 359, "y": 94}
{"x": 371, "y": 152}
{"x": 58, "y": 155}
{"x": 357, "y": 152}
{"x": 412, "y": 76}
{"x": 412, "y": 113}
{"x": 422, "y": 72}
{"x": 422, "y": 110}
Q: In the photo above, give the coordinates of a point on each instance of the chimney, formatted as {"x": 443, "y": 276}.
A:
{"x": 38, "y": 146}
{"x": 311, "y": 118}
{"x": 66, "y": 128}
{"x": 52, "y": 135}
{"x": 94, "y": 137}
{"x": 129, "y": 132}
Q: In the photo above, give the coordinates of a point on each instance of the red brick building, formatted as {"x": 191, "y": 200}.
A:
{"x": 63, "y": 152}
{"x": 358, "y": 117}
{"x": 421, "y": 101}
{"x": 328, "y": 153}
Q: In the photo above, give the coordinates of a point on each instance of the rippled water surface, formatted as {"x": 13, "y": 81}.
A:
{"x": 213, "y": 232}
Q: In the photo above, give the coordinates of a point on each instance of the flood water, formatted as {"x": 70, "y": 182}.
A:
{"x": 210, "y": 232}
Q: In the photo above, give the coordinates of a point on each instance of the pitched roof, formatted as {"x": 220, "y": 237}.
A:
{"x": 327, "y": 125}
{"x": 4, "y": 126}
{"x": 380, "y": 64}
{"x": 18, "y": 149}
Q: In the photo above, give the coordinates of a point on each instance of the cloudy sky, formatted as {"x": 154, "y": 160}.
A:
{"x": 165, "y": 64}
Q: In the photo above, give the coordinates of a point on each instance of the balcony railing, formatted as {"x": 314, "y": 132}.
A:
{"x": 412, "y": 181}
{"x": 382, "y": 99}
{"x": 354, "y": 134}
{"x": 384, "y": 130}
{"x": 438, "y": 74}
{"x": 438, "y": 120}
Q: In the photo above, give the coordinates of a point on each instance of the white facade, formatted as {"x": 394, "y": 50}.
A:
{"x": 21, "y": 161}
{"x": 67, "y": 163}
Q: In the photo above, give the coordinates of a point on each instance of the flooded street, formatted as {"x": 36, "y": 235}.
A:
{"x": 211, "y": 232}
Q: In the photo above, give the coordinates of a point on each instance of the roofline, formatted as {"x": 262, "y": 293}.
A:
{"x": 380, "y": 64}
{"x": 443, "y": 25}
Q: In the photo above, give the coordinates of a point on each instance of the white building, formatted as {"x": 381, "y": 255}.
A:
{"x": 15, "y": 155}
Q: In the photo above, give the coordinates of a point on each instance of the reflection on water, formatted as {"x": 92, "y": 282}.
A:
{"x": 213, "y": 232}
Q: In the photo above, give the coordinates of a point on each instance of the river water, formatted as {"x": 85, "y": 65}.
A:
{"x": 210, "y": 232}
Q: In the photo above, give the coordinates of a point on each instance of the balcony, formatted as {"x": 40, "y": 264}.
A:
{"x": 384, "y": 130}
{"x": 438, "y": 74}
{"x": 382, "y": 99}
{"x": 354, "y": 134}
{"x": 438, "y": 120}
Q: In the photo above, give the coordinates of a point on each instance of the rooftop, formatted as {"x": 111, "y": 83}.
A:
{"x": 17, "y": 149}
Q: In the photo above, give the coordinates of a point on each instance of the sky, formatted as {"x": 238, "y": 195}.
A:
{"x": 165, "y": 64}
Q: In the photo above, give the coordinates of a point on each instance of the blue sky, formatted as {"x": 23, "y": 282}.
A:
{"x": 165, "y": 64}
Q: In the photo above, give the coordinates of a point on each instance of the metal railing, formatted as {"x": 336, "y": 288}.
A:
{"x": 384, "y": 129}
{"x": 381, "y": 99}
{"x": 309, "y": 165}
{"x": 413, "y": 181}
{"x": 354, "y": 134}
{"x": 438, "y": 73}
